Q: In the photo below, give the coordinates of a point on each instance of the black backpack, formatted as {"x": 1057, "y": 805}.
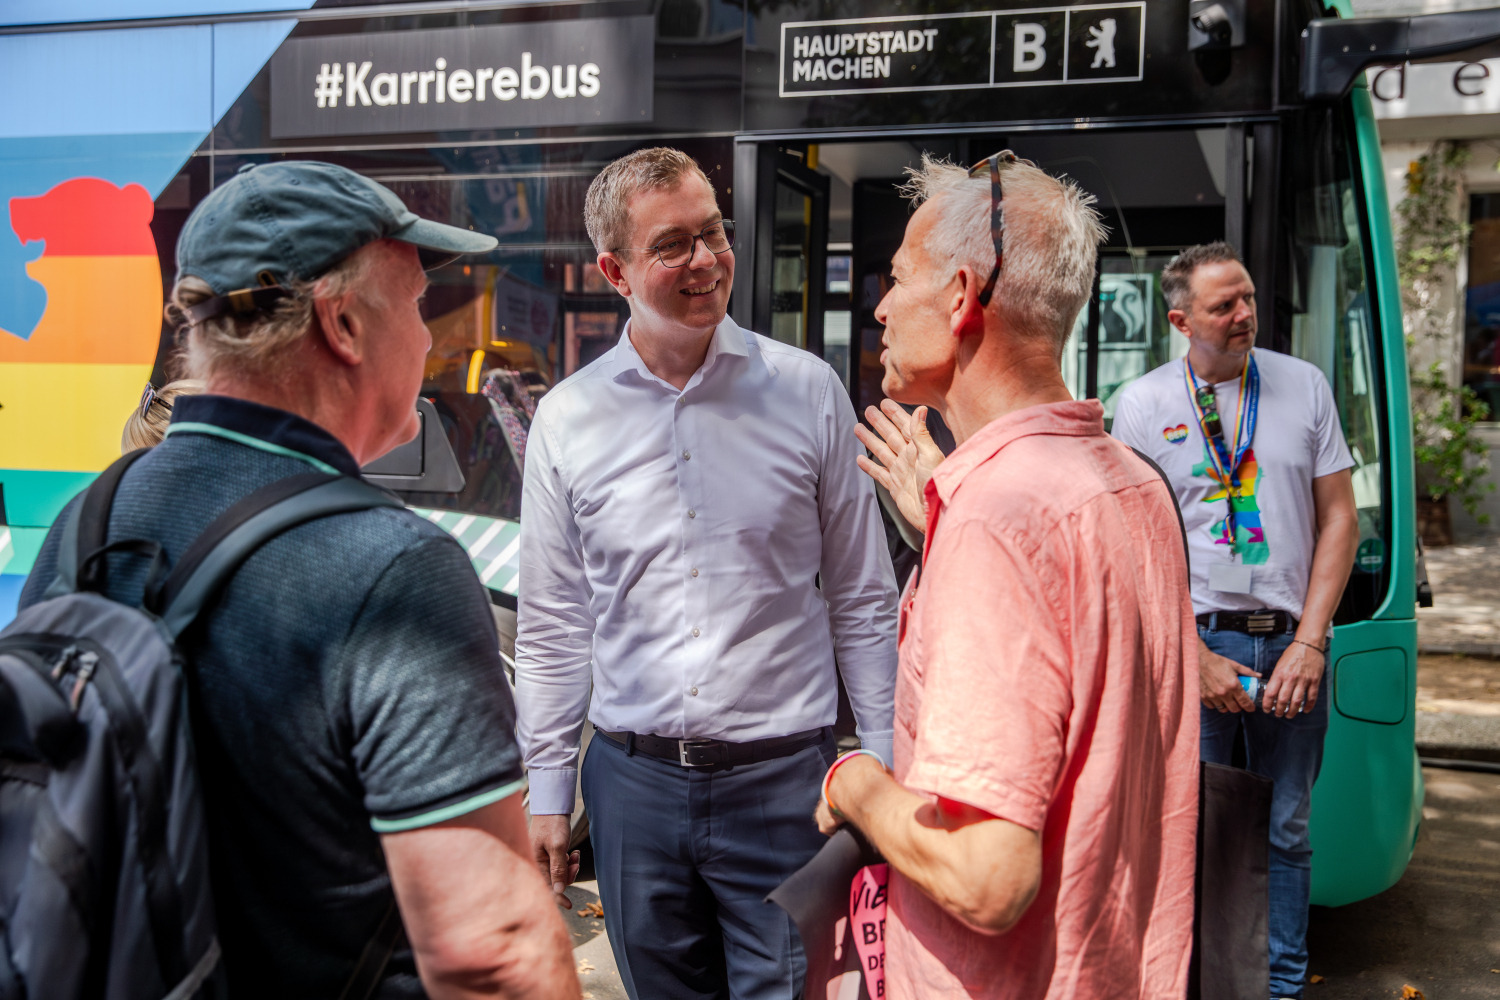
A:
{"x": 104, "y": 880}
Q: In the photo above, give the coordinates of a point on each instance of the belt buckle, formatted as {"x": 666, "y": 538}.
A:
{"x": 1260, "y": 623}
{"x": 684, "y": 747}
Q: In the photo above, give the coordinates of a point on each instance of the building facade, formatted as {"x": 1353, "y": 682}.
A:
{"x": 1422, "y": 108}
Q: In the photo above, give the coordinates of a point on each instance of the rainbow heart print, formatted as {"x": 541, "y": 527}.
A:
{"x": 1175, "y": 435}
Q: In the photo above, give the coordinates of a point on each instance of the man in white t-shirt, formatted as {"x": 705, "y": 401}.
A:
{"x": 1252, "y": 444}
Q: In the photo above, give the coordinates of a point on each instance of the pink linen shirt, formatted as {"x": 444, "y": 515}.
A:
{"x": 1048, "y": 676}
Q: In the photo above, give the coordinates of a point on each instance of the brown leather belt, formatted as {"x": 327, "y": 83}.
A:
{"x": 715, "y": 753}
{"x": 1262, "y": 622}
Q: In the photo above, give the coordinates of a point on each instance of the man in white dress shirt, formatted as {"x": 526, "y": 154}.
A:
{"x": 698, "y": 545}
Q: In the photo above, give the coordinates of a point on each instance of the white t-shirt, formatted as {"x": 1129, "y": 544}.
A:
{"x": 1297, "y": 439}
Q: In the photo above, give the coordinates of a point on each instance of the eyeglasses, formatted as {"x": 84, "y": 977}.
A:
{"x": 675, "y": 251}
{"x": 151, "y": 396}
{"x": 997, "y": 222}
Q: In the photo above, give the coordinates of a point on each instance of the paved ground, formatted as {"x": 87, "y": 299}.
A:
{"x": 1465, "y": 615}
{"x": 1458, "y": 707}
{"x": 1438, "y": 929}
{"x": 1458, "y": 696}
{"x": 597, "y": 972}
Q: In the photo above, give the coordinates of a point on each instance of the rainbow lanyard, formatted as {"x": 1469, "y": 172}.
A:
{"x": 1226, "y": 457}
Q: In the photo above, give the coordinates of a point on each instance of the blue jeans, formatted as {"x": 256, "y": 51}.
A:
{"x": 685, "y": 860}
{"x": 1289, "y": 751}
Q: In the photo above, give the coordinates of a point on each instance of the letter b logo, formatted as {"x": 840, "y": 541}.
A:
{"x": 1030, "y": 49}
{"x": 1036, "y": 44}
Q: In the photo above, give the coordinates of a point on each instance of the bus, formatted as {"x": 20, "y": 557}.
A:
{"x": 1188, "y": 120}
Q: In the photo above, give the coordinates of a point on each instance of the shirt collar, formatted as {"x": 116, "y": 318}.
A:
{"x": 263, "y": 427}
{"x": 1075, "y": 418}
{"x": 728, "y": 339}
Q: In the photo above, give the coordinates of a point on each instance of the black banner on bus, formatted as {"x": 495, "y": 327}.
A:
{"x": 579, "y": 72}
{"x": 1017, "y": 48}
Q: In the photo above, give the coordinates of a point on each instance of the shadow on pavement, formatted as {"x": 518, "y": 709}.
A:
{"x": 1438, "y": 929}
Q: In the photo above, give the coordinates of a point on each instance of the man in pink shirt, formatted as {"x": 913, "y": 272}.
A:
{"x": 1042, "y": 816}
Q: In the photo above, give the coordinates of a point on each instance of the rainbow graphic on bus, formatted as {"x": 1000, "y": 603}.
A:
{"x": 68, "y": 383}
{"x": 76, "y": 347}
{"x": 83, "y": 155}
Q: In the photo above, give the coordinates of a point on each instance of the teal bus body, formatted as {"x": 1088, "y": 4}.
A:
{"x": 1367, "y": 804}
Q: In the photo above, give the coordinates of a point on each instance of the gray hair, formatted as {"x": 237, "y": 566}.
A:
{"x": 1177, "y": 276}
{"x": 606, "y": 209}
{"x": 1052, "y": 235}
{"x": 259, "y": 345}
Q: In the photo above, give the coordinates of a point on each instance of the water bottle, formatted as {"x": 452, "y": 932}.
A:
{"x": 1253, "y": 687}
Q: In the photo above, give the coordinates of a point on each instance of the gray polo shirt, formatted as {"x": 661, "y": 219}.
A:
{"x": 348, "y": 684}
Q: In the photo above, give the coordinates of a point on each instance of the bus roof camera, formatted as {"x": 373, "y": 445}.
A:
{"x": 1336, "y": 51}
{"x": 1216, "y": 24}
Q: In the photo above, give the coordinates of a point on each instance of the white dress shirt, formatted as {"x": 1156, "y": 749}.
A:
{"x": 672, "y": 550}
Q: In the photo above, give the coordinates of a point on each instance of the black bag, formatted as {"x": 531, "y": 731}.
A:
{"x": 104, "y": 881}
{"x": 1232, "y": 892}
{"x": 817, "y": 898}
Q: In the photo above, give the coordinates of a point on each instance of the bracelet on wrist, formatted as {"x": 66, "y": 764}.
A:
{"x": 1322, "y": 650}
{"x": 835, "y": 766}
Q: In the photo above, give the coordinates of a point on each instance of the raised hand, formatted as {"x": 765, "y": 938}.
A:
{"x": 904, "y": 456}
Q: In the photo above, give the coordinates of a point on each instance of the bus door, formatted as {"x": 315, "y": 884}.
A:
{"x": 783, "y": 242}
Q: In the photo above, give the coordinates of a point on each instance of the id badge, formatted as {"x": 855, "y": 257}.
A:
{"x": 1229, "y": 578}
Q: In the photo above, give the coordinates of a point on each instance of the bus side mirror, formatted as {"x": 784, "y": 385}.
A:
{"x": 425, "y": 464}
{"x": 1336, "y": 51}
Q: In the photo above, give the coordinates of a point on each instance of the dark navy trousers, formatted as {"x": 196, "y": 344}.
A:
{"x": 685, "y": 859}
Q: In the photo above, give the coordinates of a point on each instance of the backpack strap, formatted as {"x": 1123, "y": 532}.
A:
{"x": 162, "y": 594}
{"x": 1176, "y": 507}
{"x": 247, "y": 525}
{"x": 88, "y": 525}
{"x": 375, "y": 956}
{"x": 214, "y": 557}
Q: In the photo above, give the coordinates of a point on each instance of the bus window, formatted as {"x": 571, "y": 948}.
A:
{"x": 1134, "y": 335}
{"x": 1324, "y": 300}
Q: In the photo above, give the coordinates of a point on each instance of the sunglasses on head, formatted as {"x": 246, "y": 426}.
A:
{"x": 151, "y": 396}
{"x": 997, "y": 221}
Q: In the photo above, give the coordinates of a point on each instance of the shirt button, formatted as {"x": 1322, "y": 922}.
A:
{"x": 686, "y": 455}
{"x": 693, "y": 692}
{"x": 695, "y": 633}
{"x": 692, "y": 513}
{"x": 695, "y": 572}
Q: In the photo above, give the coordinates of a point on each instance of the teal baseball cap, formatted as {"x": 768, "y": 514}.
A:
{"x": 271, "y": 224}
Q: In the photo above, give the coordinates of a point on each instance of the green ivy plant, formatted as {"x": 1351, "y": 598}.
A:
{"x": 1453, "y": 459}
{"x": 1432, "y": 241}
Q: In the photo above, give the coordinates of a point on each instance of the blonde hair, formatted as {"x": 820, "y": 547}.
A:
{"x": 147, "y": 430}
{"x": 259, "y": 345}
{"x": 1051, "y": 238}
{"x": 606, "y": 209}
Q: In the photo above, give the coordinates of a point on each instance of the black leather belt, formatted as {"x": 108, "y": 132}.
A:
{"x": 715, "y": 753}
{"x": 1252, "y": 622}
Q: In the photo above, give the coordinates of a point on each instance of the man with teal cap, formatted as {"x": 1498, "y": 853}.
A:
{"x": 352, "y": 722}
